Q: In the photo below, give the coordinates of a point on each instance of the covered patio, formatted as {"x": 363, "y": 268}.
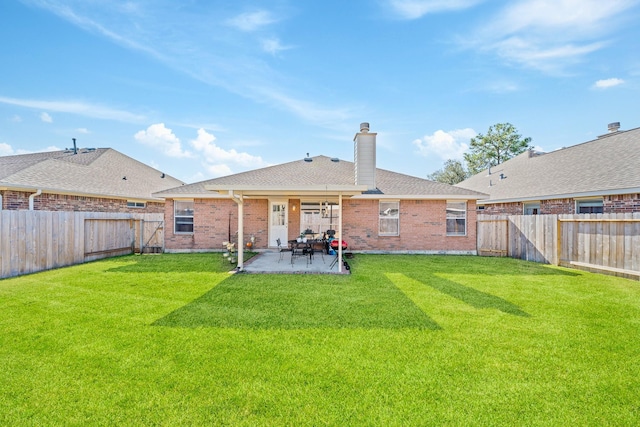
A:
{"x": 270, "y": 262}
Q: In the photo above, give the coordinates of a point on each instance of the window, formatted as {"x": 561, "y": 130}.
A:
{"x": 587, "y": 206}
{"x": 183, "y": 216}
{"x": 456, "y": 218}
{"x": 389, "y": 219}
{"x": 532, "y": 208}
{"x": 136, "y": 204}
{"x": 318, "y": 216}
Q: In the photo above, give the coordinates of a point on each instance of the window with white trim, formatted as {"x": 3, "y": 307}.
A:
{"x": 456, "y": 218}
{"x": 183, "y": 216}
{"x": 588, "y": 206}
{"x": 531, "y": 208}
{"x": 389, "y": 219}
{"x": 140, "y": 205}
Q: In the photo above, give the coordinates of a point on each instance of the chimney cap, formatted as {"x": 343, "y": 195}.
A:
{"x": 613, "y": 127}
{"x": 364, "y": 127}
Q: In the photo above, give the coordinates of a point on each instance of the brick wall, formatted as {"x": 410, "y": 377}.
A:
{"x": 19, "y": 200}
{"x": 503, "y": 209}
{"x": 422, "y": 226}
{"x": 625, "y": 203}
{"x": 557, "y": 207}
{"x": 214, "y": 220}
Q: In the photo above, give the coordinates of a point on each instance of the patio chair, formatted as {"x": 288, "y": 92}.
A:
{"x": 281, "y": 249}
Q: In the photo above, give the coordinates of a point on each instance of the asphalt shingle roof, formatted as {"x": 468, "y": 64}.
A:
{"x": 322, "y": 170}
{"x": 607, "y": 164}
{"x": 96, "y": 172}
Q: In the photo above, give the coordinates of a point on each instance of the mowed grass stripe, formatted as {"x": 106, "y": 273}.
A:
{"x": 80, "y": 345}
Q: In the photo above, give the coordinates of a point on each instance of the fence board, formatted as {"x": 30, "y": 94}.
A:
{"x": 32, "y": 241}
{"x": 610, "y": 242}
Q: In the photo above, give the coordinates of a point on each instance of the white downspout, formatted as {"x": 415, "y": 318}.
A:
{"x": 240, "y": 201}
{"x": 33, "y": 196}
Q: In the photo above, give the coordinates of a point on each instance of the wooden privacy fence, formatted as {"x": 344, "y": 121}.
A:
{"x": 32, "y": 241}
{"x": 599, "y": 242}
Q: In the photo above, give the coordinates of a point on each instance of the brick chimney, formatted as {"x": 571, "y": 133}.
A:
{"x": 364, "y": 157}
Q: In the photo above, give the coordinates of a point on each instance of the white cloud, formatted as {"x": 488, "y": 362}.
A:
{"x": 5, "y": 149}
{"x": 219, "y": 161}
{"x": 45, "y": 117}
{"x": 16, "y": 118}
{"x": 273, "y": 46}
{"x": 252, "y": 21}
{"x": 414, "y": 9}
{"x": 75, "y": 107}
{"x": 607, "y": 83}
{"x": 83, "y": 130}
{"x": 163, "y": 139}
{"x": 549, "y": 35}
{"x": 202, "y": 48}
{"x": 446, "y": 145}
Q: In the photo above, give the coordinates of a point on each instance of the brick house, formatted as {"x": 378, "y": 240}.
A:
{"x": 598, "y": 176}
{"x": 373, "y": 210}
{"x": 90, "y": 180}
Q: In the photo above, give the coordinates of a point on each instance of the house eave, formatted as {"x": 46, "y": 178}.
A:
{"x": 27, "y": 188}
{"x": 577, "y": 195}
{"x": 419, "y": 196}
{"x": 295, "y": 191}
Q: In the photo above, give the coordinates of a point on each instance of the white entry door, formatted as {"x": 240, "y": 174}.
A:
{"x": 278, "y": 223}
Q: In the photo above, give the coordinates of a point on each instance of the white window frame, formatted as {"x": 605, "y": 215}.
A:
{"x": 454, "y": 210}
{"x": 592, "y": 202}
{"x": 184, "y": 216}
{"x": 136, "y": 205}
{"x": 530, "y": 206}
{"x": 391, "y": 214}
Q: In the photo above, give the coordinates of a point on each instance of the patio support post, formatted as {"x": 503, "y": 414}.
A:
{"x": 340, "y": 233}
{"x": 240, "y": 201}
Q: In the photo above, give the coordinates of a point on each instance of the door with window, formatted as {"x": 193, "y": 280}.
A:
{"x": 278, "y": 222}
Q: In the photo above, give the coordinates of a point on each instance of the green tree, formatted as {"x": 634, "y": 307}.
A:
{"x": 501, "y": 143}
{"x": 452, "y": 173}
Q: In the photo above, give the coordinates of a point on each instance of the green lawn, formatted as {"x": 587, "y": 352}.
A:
{"x": 403, "y": 340}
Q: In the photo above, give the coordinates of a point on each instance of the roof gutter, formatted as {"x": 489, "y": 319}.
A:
{"x": 599, "y": 193}
{"x": 33, "y": 196}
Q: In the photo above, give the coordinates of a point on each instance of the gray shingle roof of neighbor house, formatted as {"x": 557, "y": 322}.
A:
{"x": 607, "y": 165}
{"x": 91, "y": 172}
{"x": 319, "y": 175}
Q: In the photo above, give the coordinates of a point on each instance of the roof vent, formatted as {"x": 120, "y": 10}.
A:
{"x": 308, "y": 159}
{"x": 613, "y": 127}
{"x": 335, "y": 159}
{"x": 364, "y": 127}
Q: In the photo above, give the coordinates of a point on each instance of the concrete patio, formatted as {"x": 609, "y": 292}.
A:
{"x": 269, "y": 262}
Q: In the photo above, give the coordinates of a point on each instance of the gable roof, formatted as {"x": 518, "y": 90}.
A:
{"x": 90, "y": 172}
{"x": 319, "y": 175}
{"x": 607, "y": 165}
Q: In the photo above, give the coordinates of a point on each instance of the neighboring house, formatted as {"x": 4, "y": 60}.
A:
{"x": 598, "y": 176}
{"x": 373, "y": 210}
{"x": 95, "y": 180}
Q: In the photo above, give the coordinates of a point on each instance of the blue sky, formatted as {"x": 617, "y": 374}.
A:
{"x": 200, "y": 89}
